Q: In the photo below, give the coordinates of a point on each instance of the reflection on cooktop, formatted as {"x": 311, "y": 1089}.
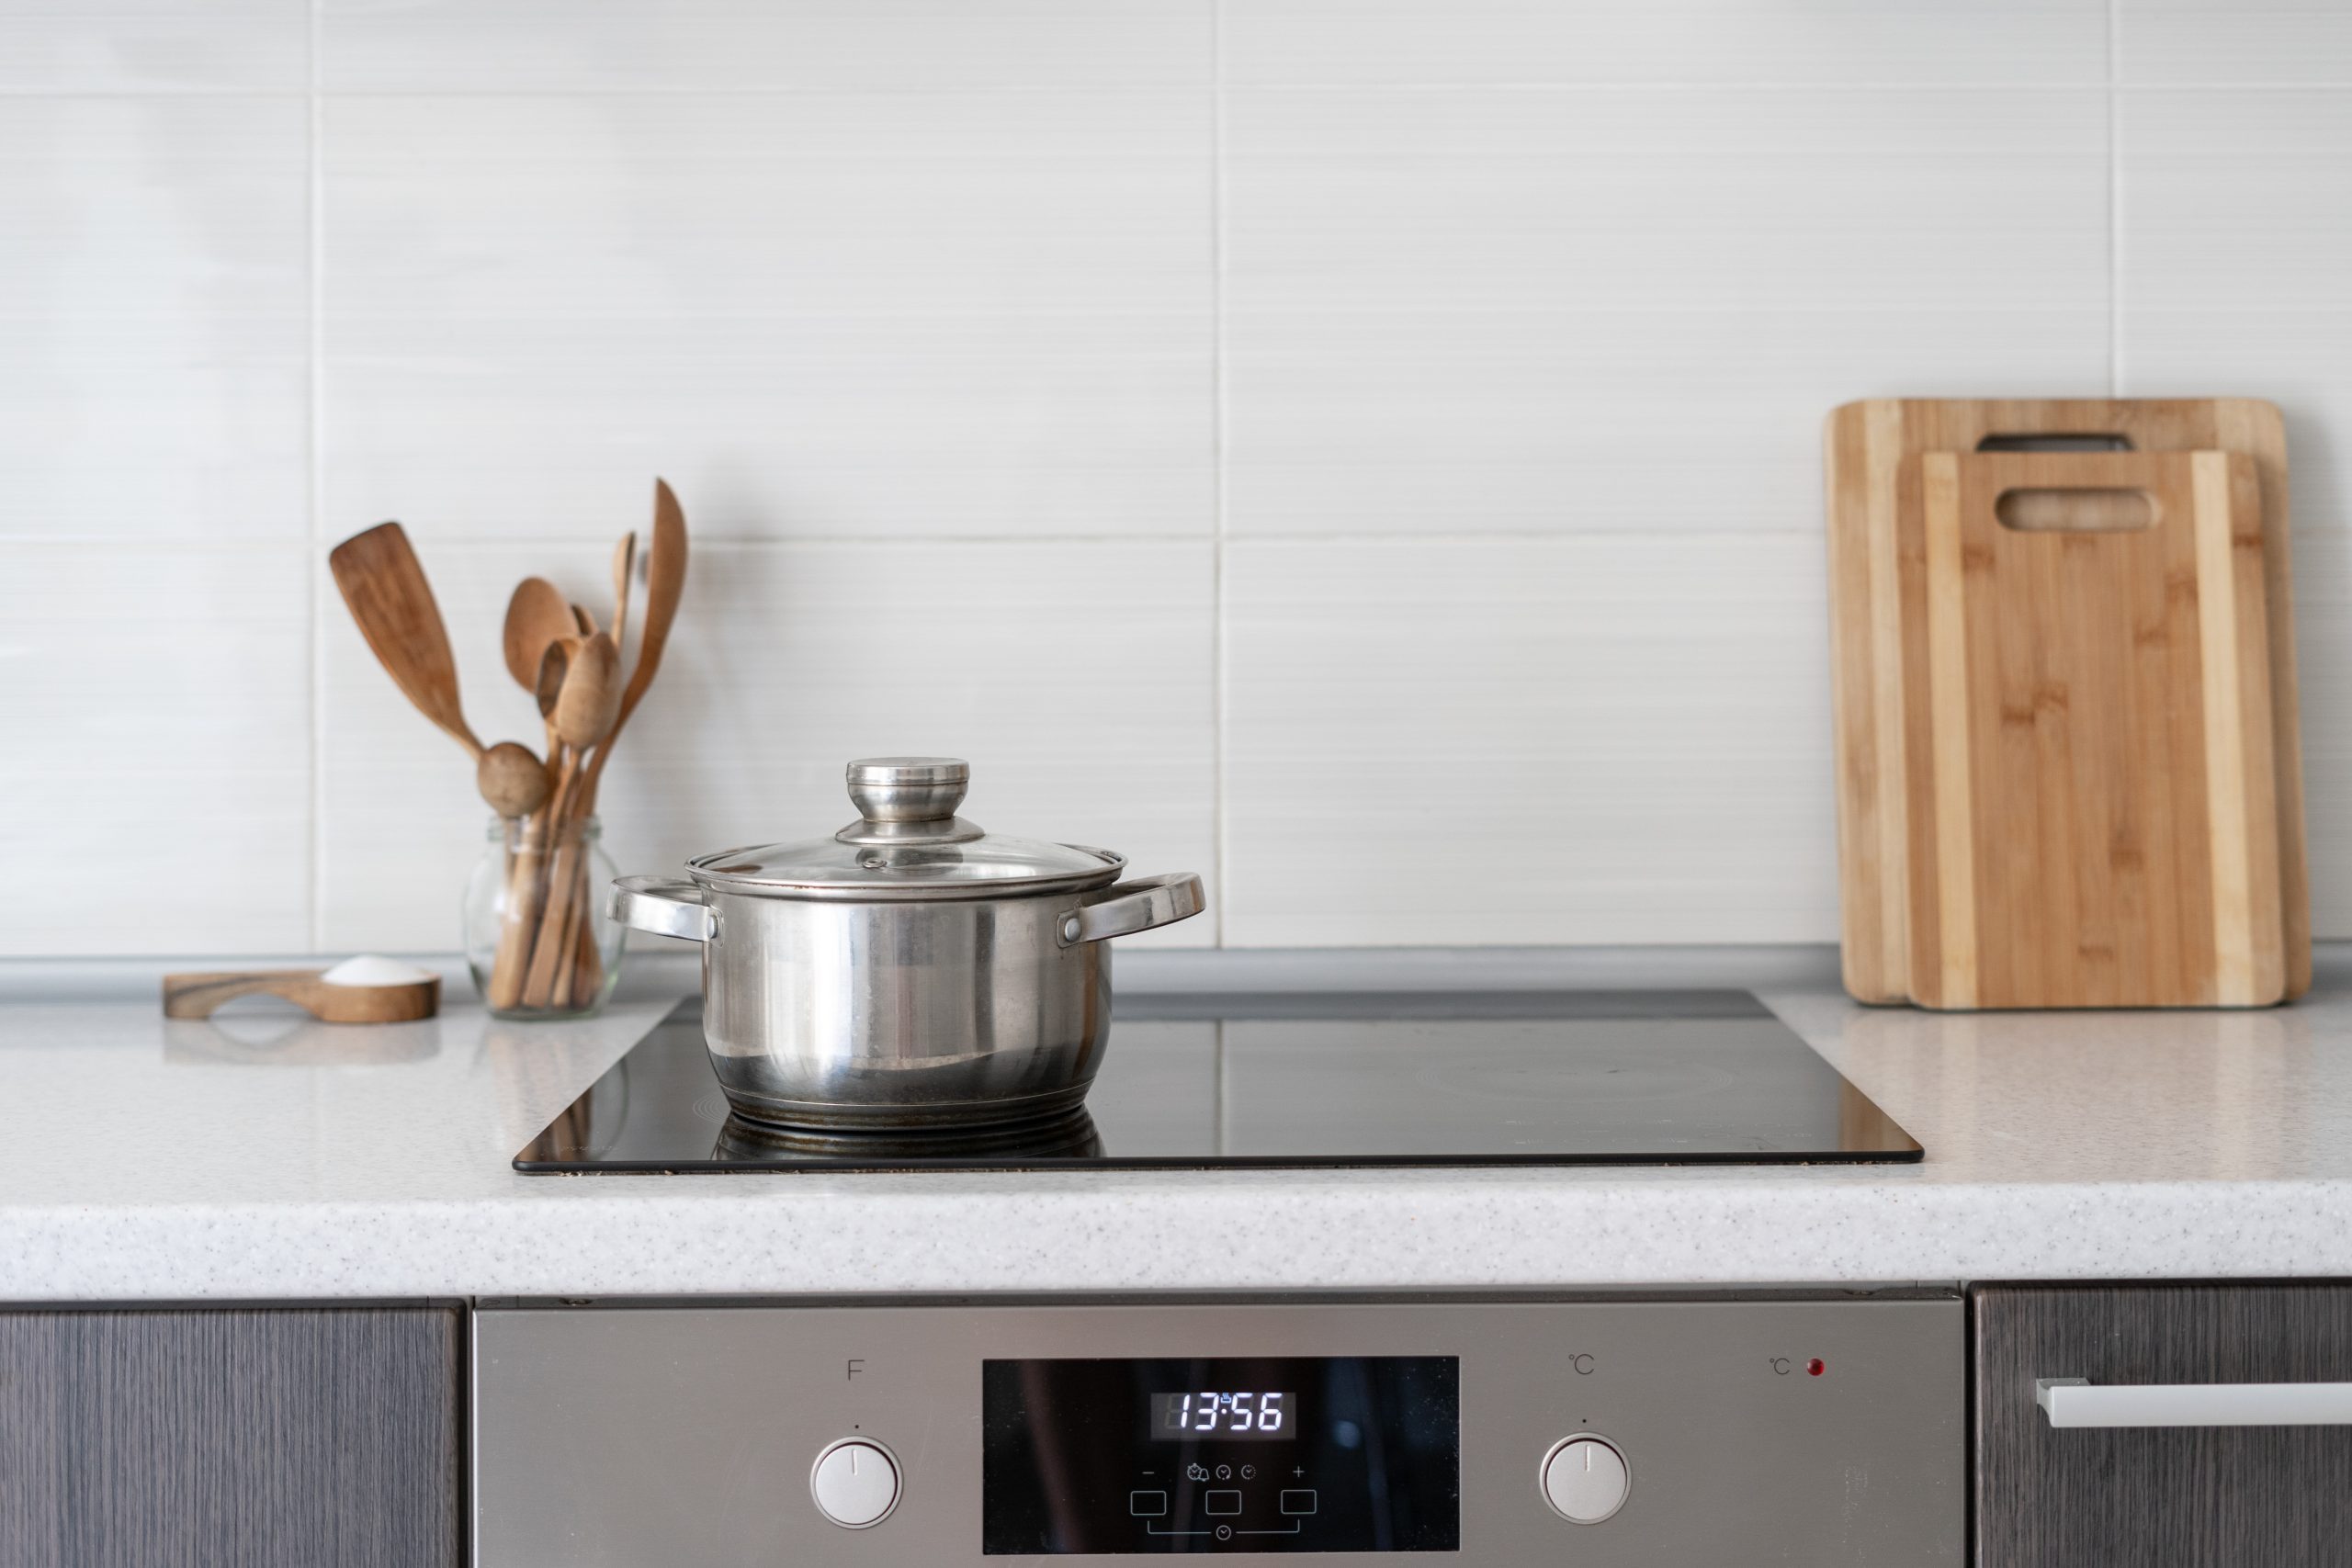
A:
{"x": 1556, "y": 1078}
{"x": 1069, "y": 1136}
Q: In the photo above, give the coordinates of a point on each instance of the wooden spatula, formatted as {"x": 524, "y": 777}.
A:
{"x": 665, "y": 583}
{"x": 386, "y": 589}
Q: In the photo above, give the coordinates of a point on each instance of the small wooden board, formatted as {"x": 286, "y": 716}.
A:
{"x": 1867, "y": 444}
{"x": 2089, "y": 731}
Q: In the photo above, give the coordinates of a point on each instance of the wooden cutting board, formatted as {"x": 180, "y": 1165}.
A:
{"x": 1868, "y": 443}
{"x": 2089, "y": 731}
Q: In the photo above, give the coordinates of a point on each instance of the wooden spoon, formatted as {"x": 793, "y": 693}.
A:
{"x": 584, "y": 620}
{"x": 512, "y": 779}
{"x": 555, "y": 663}
{"x": 624, "y": 571}
{"x": 536, "y": 616}
{"x": 386, "y": 590}
{"x": 589, "y": 699}
{"x": 196, "y": 996}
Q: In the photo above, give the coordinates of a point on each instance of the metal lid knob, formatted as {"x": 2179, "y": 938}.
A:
{"x": 909, "y": 800}
{"x": 909, "y": 789}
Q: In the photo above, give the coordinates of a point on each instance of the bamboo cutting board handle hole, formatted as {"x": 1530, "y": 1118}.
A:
{"x": 2087, "y": 440}
{"x": 2077, "y": 510}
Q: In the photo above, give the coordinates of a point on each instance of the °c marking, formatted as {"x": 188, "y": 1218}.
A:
{"x": 855, "y": 1366}
{"x": 1779, "y": 1366}
{"x": 1583, "y": 1364}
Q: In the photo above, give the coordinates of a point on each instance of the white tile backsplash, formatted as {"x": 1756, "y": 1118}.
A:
{"x": 695, "y": 46}
{"x": 157, "y": 770}
{"x": 1513, "y": 741}
{"x": 1806, "y": 42}
{"x": 1681, "y": 421}
{"x": 1453, "y": 309}
{"x": 2324, "y": 675}
{"x": 154, "y": 46}
{"x": 2235, "y": 199}
{"x": 2235, "y": 254}
{"x": 1364, "y": 450}
{"x": 1479, "y": 201}
{"x": 824, "y": 314}
{"x": 154, "y": 318}
{"x": 2246, "y": 42}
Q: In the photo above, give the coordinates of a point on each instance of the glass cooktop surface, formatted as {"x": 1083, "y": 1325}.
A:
{"x": 1544, "y": 1077}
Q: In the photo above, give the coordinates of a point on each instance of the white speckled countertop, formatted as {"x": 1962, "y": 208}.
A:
{"x": 147, "y": 1159}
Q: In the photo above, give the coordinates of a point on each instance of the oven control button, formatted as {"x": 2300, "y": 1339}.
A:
{"x": 1585, "y": 1478}
{"x": 855, "y": 1484}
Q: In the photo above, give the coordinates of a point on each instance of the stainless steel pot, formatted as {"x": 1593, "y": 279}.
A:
{"x": 910, "y": 970}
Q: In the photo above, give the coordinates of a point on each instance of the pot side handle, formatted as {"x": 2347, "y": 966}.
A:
{"x": 666, "y": 905}
{"x": 1136, "y": 906}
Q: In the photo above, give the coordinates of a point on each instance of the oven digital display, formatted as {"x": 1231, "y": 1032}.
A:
{"x": 1255, "y": 1414}
{"x": 1342, "y": 1453}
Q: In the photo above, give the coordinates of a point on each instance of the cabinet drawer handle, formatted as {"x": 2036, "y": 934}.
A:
{"x": 2074, "y": 1401}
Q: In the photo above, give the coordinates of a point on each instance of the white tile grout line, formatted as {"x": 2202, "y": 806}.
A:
{"x": 315, "y": 881}
{"x": 1217, "y": 659}
{"x": 2114, "y": 203}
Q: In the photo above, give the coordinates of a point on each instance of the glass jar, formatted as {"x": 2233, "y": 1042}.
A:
{"x": 536, "y": 935}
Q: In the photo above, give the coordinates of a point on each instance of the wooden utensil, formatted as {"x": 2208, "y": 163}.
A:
{"x": 665, "y": 583}
{"x": 554, "y": 963}
{"x": 1866, "y": 445}
{"x": 536, "y": 613}
{"x": 2089, "y": 731}
{"x": 624, "y": 571}
{"x": 546, "y": 687}
{"x": 388, "y": 595}
{"x": 197, "y": 995}
{"x": 665, "y": 579}
{"x": 584, "y": 620}
{"x": 586, "y": 705}
{"x": 588, "y": 698}
{"x": 512, "y": 779}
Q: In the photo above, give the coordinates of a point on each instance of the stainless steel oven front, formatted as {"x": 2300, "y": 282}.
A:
{"x": 1815, "y": 1428}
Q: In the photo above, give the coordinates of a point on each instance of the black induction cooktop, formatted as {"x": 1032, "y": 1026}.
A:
{"x": 1537, "y": 1078}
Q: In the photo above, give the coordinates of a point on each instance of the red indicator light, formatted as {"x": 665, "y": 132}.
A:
{"x": 1815, "y": 1367}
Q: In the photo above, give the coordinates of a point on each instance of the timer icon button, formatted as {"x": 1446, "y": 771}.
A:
{"x": 1585, "y": 1479}
{"x": 855, "y": 1484}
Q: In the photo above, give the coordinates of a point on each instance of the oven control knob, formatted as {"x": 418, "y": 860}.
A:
{"x": 1585, "y": 1478}
{"x": 855, "y": 1484}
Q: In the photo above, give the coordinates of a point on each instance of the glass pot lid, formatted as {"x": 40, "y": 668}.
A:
{"x": 907, "y": 842}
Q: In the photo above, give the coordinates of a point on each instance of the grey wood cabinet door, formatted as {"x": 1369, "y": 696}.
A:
{"x": 2160, "y": 1496}
{"x": 326, "y": 1437}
